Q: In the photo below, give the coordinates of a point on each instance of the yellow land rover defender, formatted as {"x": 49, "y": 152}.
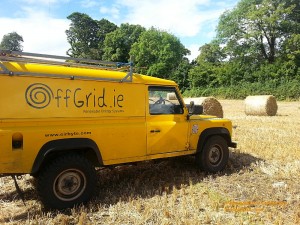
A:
{"x": 61, "y": 117}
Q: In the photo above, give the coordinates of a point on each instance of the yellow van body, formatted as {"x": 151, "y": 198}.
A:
{"x": 47, "y": 110}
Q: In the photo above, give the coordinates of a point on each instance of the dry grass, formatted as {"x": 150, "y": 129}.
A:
{"x": 263, "y": 176}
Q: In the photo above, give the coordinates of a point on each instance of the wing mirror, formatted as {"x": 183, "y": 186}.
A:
{"x": 194, "y": 109}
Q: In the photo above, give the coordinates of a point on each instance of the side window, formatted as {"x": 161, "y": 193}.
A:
{"x": 164, "y": 100}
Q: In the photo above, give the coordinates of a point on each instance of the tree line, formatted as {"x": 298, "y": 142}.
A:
{"x": 156, "y": 53}
{"x": 256, "y": 50}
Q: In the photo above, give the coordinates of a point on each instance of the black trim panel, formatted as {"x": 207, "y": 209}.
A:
{"x": 221, "y": 131}
{"x": 63, "y": 145}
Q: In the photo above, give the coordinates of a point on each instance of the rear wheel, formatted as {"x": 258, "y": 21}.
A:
{"x": 214, "y": 155}
{"x": 66, "y": 181}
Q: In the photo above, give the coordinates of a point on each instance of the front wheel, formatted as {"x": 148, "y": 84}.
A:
{"x": 214, "y": 155}
{"x": 66, "y": 181}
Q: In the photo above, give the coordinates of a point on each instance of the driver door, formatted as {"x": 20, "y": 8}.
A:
{"x": 167, "y": 126}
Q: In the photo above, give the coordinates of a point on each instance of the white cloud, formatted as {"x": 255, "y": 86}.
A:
{"x": 89, "y": 3}
{"x": 43, "y": 2}
{"x": 105, "y": 10}
{"x": 113, "y": 11}
{"x": 41, "y": 33}
{"x": 210, "y": 34}
{"x": 194, "y": 48}
{"x": 183, "y": 18}
{"x": 191, "y": 20}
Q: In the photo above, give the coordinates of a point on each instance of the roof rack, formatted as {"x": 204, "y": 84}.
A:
{"x": 17, "y": 56}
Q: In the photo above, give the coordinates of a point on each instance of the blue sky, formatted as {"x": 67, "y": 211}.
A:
{"x": 42, "y": 23}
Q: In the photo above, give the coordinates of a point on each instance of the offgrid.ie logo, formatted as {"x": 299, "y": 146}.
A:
{"x": 38, "y": 95}
{"x": 101, "y": 99}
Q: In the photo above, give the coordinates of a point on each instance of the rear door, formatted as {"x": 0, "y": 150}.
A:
{"x": 167, "y": 125}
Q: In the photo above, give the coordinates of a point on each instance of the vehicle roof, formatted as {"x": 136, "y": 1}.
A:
{"x": 78, "y": 73}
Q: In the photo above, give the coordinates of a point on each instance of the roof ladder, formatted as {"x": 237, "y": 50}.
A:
{"x": 27, "y": 57}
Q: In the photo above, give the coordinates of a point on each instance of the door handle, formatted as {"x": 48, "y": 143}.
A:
{"x": 154, "y": 131}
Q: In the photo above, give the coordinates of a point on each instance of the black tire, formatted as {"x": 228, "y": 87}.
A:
{"x": 66, "y": 181}
{"x": 214, "y": 155}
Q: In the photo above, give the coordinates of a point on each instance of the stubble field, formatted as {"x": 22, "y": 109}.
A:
{"x": 260, "y": 185}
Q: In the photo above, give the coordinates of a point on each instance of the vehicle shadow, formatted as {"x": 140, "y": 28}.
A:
{"x": 147, "y": 179}
{"x": 141, "y": 180}
{"x": 27, "y": 193}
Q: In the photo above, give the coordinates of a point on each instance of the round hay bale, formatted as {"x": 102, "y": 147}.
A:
{"x": 171, "y": 96}
{"x": 211, "y": 106}
{"x": 261, "y": 105}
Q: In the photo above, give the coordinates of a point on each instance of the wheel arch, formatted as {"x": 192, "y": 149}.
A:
{"x": 54, "y": 148}
{"x": 207, "y": 133}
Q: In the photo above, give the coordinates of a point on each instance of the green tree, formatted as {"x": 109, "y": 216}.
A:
{"x": 256, "y": 51}
{"x": 180, "y": 75}
{"x": 158, "y": 53}
{"x": 292, "y": 49}
{"x": 105, "y": 27}
{"x": 12, "y": 41}
{"x": 211, "y": 53}
{"x": 86, "y": 36}
{"x": 82, "y": 36}
{"x": 255, "y": 28}
{"x": 208, "y": 65}
{"x": 294, "y": 17}
{"x": 203, "y": 75}
{"x": 291, "y": 54}
{"x": 118, "y": 43}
